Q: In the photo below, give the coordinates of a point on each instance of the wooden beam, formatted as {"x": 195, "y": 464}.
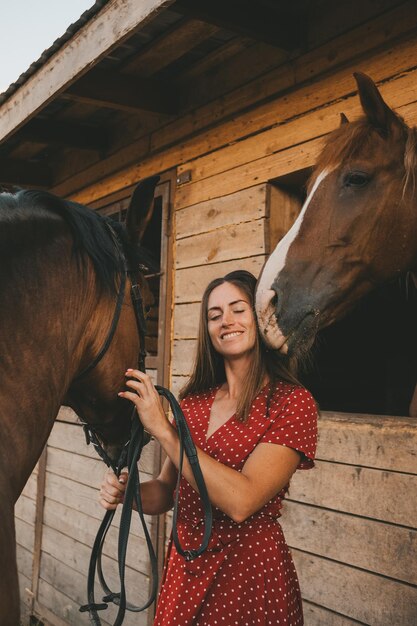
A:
{"x": 66, "y": 134}
{"x": 169, "y": 47}
{"x": 116, "y": 22}
{"x": 216, "y": 58}
{"x": 126, "y": 93}
{"x": 276, "y": 26}
{"x": 24, "y": 174}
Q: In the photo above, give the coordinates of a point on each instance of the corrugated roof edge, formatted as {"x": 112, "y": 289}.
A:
{"x": 58, "y": 43}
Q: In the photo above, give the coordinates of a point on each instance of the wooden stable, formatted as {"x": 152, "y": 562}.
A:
{"x": 229, "y": 102}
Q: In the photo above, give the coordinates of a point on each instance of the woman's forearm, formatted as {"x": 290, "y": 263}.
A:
{"x": 157, "y": 497}
{"x": 228, "y": 489}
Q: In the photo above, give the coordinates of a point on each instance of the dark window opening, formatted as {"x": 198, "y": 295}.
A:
{"x": 152, "y": 241}
{"x": 367, "y": 362}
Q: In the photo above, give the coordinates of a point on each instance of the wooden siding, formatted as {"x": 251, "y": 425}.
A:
{"x": 351, "y": 522}
{"x": 25, "y": 516}
{"x": 71, "y": 516}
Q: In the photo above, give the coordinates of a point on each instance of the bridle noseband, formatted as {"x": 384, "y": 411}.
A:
{"x": 129, "y": 457}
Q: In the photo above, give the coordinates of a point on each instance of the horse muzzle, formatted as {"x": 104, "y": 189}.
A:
{"x": 289, "y": 330}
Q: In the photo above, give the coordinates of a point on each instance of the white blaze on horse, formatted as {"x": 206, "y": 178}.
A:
{"x": 356, "y": 230}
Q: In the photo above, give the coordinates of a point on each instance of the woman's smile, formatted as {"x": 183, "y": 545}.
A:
{"x": 231, "y": 335}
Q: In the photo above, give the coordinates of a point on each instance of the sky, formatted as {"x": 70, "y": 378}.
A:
{"x": 28, "y": 27}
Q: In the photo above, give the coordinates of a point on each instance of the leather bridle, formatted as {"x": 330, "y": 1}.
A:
{"x": 129, "y": 457}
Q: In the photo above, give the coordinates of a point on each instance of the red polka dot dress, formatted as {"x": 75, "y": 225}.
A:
{"x": 246, "y": 577}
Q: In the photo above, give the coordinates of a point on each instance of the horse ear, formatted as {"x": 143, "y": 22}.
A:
{"x": 343, "y": 119}
{"x": 140, "y": 209}
{"x": 375, "y": 108}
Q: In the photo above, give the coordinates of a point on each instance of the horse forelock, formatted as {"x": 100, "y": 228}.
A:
{"x": 343, "y": 144}
{"x": 91, "y": 238}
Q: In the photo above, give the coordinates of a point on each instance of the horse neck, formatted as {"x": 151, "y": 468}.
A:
{"x": 42, "y": 349}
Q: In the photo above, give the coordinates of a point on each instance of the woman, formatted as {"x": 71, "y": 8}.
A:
{"x": 253, "y": 425}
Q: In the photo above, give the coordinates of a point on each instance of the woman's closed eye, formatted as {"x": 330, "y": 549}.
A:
{"x": 217, "y": 316}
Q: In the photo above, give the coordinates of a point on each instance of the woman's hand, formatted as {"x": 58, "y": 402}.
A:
{"x": 112, "y": 490}
{"x": 148, "y": 404}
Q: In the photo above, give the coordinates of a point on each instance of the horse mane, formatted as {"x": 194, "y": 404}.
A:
{"x": 90, "y": 232}
{"x": 349, "y": 140}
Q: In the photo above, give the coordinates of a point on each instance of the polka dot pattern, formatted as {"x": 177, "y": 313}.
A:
{"x": 247, "y": 576}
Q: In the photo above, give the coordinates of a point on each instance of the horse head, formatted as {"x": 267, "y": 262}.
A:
{"x": 93, "y": 392}
{"x": 356, "y": 229}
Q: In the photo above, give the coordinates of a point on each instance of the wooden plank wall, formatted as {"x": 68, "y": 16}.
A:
{"x": 213, "y": 238}
{"x": 351, "y": 523}
{"x": 71, "y": 517}
{"x": 25, "y": 516}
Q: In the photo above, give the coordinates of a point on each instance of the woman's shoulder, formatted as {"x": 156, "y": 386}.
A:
{"x": 197, "y": 398}
{"x": 283, "y": 393}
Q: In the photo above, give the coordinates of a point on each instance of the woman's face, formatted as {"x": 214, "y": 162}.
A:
{"x": 231, "y": 321}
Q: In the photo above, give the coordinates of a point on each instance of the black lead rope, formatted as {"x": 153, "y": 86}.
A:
{"x": 132, "y": 494}
{"x": 187, "y": 445}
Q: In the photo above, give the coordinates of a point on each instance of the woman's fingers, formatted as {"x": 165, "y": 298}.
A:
{"x": 129, "y": 395}
{"x": 112, "y": 490}
{"x": 139, "y": 386}
{"x": 141, "y": 377}
{"x": 107, "y": 505}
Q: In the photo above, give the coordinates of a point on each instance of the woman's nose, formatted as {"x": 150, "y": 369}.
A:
{"x": 227, "y": 318}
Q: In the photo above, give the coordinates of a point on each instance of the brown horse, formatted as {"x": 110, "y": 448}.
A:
{"x": 356, "y": 231}
{"x": 61, "y": 271}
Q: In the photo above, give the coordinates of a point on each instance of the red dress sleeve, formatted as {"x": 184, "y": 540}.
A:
{"x": 294, "y": 424}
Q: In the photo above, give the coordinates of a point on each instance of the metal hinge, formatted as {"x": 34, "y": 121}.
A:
{"x": 184, "y": 177}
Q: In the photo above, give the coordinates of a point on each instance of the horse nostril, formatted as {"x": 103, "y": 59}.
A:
{"x": 274, "y": 299}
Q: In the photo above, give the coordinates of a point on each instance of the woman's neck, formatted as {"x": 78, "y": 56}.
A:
{"x": 236, "y": 375}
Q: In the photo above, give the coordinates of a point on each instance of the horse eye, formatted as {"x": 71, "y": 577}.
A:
{"x": 356, "y": 179}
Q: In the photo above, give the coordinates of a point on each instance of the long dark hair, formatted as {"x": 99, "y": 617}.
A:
{"x": 209, "y": 369}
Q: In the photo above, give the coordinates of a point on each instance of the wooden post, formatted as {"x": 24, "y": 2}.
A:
{"x": 164, "y": 347}
{"x": 40, "y": 497}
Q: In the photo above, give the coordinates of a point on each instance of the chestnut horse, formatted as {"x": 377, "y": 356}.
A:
{"x": 62, "y": 270}
{"x": 356, "y": 231}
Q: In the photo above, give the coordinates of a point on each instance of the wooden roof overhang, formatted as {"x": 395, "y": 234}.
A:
{"x": 127, "y": 68}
